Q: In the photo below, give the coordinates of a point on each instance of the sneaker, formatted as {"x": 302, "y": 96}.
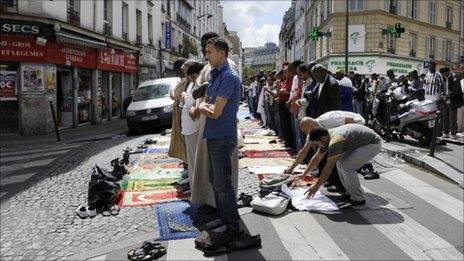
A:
{"x": 357, "y": 202}
{"x": 91, "y": 211}
{"x": 81, "y": 211}
{"x": 372, "y": 175}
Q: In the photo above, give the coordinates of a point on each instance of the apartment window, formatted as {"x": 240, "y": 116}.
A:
{"x": 125, "y": 21}
{"x": 412, "y": 44}
{"x": 150, "y": 29}
{"x": 393, "y": 6}
{"x": 391, "y": 44}
{"x": 448, "y": 51}
{"x": 107, "y": 16}
{"x": 10, "y": 6}
{"x": 168, "y": 7}
{"x": 356, "y": 5}
{"x": 323, "y": 11}
{"x": 432, "y": 12}
{"x": 449, "y": 17}
{"x": 329, "y": 7}
{"x": 73, "y": 11}
{"x": 430, "y": 47}
{"x": 138, "y": 20}
{"x": 413, "y": 9}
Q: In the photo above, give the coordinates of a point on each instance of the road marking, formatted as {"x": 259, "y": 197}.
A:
{"x": 428, "y": 193}
{"x": 305, "y": 239}
{"x": 16, "y": 179}
{"x": 33, "y": 156}
{"x": 98, "y": 258}
{"x": 176, "y": 251}
{"x": 18, "y": 166}
{"x": 44, "y": 149}
{"x": 409, "y": 235}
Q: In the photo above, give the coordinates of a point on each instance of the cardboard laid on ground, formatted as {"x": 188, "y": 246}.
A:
{"x": 260, "y": 169}
{"x": 249, "y": 162}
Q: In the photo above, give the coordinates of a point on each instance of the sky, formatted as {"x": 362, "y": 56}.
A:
{"x": 256, "y": 22}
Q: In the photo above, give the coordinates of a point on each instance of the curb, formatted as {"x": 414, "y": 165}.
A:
{"x": 430, "y": 163}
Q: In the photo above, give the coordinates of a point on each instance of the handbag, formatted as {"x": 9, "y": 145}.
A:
{"x": 274, "y": 203}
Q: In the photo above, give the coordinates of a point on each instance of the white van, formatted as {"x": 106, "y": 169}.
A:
{"x": 151, "y": 105}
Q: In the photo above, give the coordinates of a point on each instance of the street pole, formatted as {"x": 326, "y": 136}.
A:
{"x": 346, "y": 37}
{"x": 160, "y": 59}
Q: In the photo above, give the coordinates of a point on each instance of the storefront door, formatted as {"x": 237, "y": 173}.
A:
{"x": 9, "y": 115}
{"x": 84, "y": 95}
{"x": 64, "y": 98}
{"x": 116, "y": 95}
{"x": 103, "y": 94}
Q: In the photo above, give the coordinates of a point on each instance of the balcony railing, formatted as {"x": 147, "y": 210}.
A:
{"x": 124, "y": 36}
{"x": 391, "y": 50}
{"x": 448, "y": 25}
{"x": 73, "y": 17}
{"x": 412, "y": 53}
{"x": 183, "y": 22}
{"x": 139, "y": 39}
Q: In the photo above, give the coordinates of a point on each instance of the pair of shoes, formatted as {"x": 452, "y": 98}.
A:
{"x": 336, "y": 189}
{"x": 148, "y": 251}
{"x": 244, "y": 200}
{"x": 209, "y": 240}
{"x": 440, "y": 142}
{"x": 84, "y": 212}
{"x": 112, "y": 210}
{"x": 372, "y": 175}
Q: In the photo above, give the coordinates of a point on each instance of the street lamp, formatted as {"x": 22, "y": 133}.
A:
{"x": 208, "y": 16}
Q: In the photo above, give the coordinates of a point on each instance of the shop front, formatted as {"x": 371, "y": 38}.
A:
{"x": 369, "y": 64}
{"x": 116, "y": 81}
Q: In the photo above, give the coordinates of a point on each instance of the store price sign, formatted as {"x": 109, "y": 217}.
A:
{"x": 8, "y": 85}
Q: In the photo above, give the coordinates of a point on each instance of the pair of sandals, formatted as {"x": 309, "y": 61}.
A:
{"x": 148, "y": 251}
{"x": 112, "y": 210}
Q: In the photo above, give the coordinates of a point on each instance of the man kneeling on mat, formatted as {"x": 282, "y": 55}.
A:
{"x": 348, "y": 147}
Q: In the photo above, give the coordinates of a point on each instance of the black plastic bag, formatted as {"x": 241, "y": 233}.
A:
{"x": 102, "y": 193}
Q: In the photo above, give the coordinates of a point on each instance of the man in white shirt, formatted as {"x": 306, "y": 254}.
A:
{"x": 328, "y": 120}
{"x": 461, "y": 115}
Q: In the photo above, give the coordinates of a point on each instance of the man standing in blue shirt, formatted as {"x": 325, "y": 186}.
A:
{"x": 220, "y": 108}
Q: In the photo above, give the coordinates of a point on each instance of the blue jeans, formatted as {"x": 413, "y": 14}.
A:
{"x": 220, "y": 175}
{"x": 251, "y": 105}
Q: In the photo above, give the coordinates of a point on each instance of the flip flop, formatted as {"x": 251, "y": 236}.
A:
{"x": 148, "y": 251}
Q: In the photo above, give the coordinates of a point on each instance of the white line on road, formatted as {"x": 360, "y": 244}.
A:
{"x": 18, "y": 166}
{"x": 16, "y": 179}
{"x": 409, "y": 235}
{"x": 305, "y": 239}
{"x": 177, "y": 251}
{"x": 33, "y": 156}
{"x": 428, "y": 193}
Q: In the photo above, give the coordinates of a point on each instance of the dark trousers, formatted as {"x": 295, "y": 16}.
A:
{"x": 277, "y": 120}
{"x": 220, "y": 175}
{"x": 450, "y": 119}
{"x": 286, "y": 125}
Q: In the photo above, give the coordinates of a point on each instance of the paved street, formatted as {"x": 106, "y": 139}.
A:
{"x": 411, "y": 214}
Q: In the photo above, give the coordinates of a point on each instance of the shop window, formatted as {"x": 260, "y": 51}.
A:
{"x": 84, "y": 94}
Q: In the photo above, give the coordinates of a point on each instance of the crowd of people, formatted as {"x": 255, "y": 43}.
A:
{"x": 321, "y": 115}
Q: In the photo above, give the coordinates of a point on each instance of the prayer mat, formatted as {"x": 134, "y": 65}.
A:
{"x": 263, "y": 137}
{"x": 175, "y": 220}
{"x": 156, "y": 150}
{"x": 150, "y": 174}
{"x": 150, "y": 197}
{"x": 142, "y": 185}
{"x": 267, "y": 154}
{"x": 265, "y": 146}
{"x": 267, "y": 169}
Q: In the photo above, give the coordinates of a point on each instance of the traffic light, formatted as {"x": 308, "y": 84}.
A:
{"x": 396, "y": 30}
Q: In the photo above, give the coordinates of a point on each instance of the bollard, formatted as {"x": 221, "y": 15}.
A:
{"x": 433, "y": 143}
{"x": 57, "y": 132}
{"x": 388, "y": 137}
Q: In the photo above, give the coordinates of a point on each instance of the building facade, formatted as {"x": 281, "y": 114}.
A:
{"x": 287, "y": 36}
{"x": 265, "y": 56}
{"x": 433, "y": 29}
{"x": 87, "y": 57}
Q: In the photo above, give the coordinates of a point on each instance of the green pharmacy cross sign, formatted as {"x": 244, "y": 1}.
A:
{"x": 396, "y": 30}
{"x": 315, "y": 34}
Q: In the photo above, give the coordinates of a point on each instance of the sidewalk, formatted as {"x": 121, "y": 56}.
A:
{"x": 448, "y": 160}
{"x": 104, "y": 130}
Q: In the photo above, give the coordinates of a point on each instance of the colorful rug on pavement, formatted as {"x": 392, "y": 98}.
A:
{"x": 267, "y": 154}
{"x": 175, "y": 220}
{"x": 151, "y": 197}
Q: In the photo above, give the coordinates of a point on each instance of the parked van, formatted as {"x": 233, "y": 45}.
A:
{"x": 151, "y": 104}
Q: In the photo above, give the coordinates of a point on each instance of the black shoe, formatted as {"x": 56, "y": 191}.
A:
{"x": 328, "y": 184}
{"x": 357, "y": 203}
{"x": 244, "y": 200}
{"x": 210, "y": 240}
{"x": 440, "y": 142}
{"x": 343, "y": 197}
{"x": 336, "y": 189}
{"x": 372, "y": 175}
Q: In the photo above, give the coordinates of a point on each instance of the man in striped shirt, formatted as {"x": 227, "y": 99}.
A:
{"x": 433, "y": 83}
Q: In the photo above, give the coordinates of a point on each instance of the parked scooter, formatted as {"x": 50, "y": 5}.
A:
{"x": 414, "y": 118}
